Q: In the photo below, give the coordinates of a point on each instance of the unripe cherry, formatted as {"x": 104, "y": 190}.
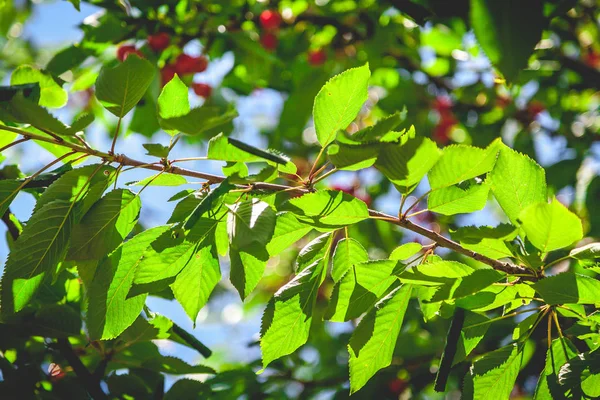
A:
{"x": 202, "y": 89}
{"x": 270, "y": 19}
{"x": 159, "y": 42}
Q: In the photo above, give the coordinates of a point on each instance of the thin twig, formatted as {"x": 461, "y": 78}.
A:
{"x": 13, "y": 230}
{"x": 11, "y": 144}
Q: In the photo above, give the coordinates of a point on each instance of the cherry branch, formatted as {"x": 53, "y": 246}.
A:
{"x": 440, "y": 240}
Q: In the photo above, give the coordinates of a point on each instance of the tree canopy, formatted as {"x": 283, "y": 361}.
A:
{"x": 401, "y": 195}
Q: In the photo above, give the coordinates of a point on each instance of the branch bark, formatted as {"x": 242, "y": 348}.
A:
{"x": 87, "y": 379}
{"x": 441, "y": 241}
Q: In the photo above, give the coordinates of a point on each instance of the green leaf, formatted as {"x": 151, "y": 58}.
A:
{"x": 24, "y": 110}
{"x": 372, "y": 344}
{"x": 51, "y": 94}
{"x": 105, "y": 226}
{"x": 175, "y": 366}
{"x": 247, "y": 268}
{"x": 405, "y": 251}
{"x": 171, "y": 252}
{"x": 360, "y": 288}
{"x": 161, "y": 179}
{"x": 568, "y": 288}
{"x": 250, "y": 223}
{"x": 548, "y": 388}
{"x": 110, "y": 310}
{"x": 315, "y": 250}
{"x": 40, "y": 247}
{"x": 156, "y": 150}
{"x": 587, "y": 252}
{"x": 353, "y": 157}
{"x": 454, "y": 280}
{"x": 120, "y": 88}
{"x": 155, "y": 327}
{"x": 453, "y": 200}
{"x": 203, "y": 270}
{"x": 67, "y": 59}
{"x": 460, "y": 163}
{"x": 188, "y": 389}
{"x": 489, "y": 241}
{"x": 288, "y": 230}
{"x": 173, "y": 100}
{"x": 8, "y": 191}
{"x": 407, "y": 163}
{"x": 473, "y": 331}
{"x": 127, "y": 386}
{"x": 508, "y": 32}
{"x": 517, "y": 182}
{"x": 287, "y": 319}
{"x": 378, "y": 131}
{"x": 199, "y": 120}
{"x": 328, "y": 207}
{"x": 348, "y": 252}
{"x": 81, "y": 122}
{"x": 56, "y": 321}
{"x": 493, "y": 375}
{"x": 209, "y": 202}
{"x": 550, "y": 226}
{"x": 78, "y": 184}
{"x": 339, "y": 101}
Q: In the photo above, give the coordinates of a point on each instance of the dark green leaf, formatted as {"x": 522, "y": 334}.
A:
{"x": 568, "y": 288}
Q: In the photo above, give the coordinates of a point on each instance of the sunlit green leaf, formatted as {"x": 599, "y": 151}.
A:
{"x": 173, "y": 100}
{"x": 517, "y": 182}
{"x": 372, "y": 344}
{"x": 550, "y": 226}
{"x": 339, "y": 101}
{"x": 105, "y": 226}
{"x": 120, "y": 88}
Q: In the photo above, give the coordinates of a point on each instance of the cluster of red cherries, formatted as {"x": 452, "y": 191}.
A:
{"x": 183, "y": 65}
{"x": 270, "y": 21}
{"x": 441, "y": 132}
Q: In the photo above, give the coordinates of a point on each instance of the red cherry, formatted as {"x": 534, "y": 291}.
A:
{"x": 269, "y": 41}
{"x": 441, "y": 132}
{"x": 442, "y": 104}
{"x": 202, "y": 89}
{"x": 270, "y": 19}
{"x": 167, "y": 73}
{"x": 124, "y": 51}
{"x": 534, "y": 108}
{"x": 159, "y": 42}
{"x": 397, "y": 386}
{"x": 502, "y": 101}
{"x": 186, "y": 64}
{"x": 592, "y": 59}
{"x": 317, "y": 57}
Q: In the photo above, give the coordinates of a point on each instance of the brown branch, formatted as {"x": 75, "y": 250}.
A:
{"x": 13, "y": 230}
{"x": 452, "y": 245}
{"x": 212, "y": 179}
{"x": 87, "y": 379}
